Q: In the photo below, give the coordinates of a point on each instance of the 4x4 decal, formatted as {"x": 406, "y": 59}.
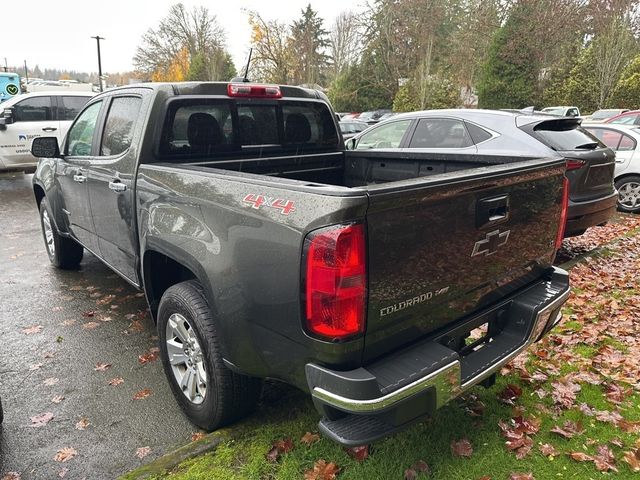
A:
{"x": 257, "y": 201}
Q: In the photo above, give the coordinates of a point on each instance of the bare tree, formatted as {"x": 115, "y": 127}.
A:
{"x": 613, "y": 48}
{"x": 271, "y": 60}
{"x": 197, "y": 31}
{"x": 345, "y": 39}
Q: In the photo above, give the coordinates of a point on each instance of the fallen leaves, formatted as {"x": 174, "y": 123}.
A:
{"x": 416, "y": 469}
{"x": 142, "y": 394}
{"x": 142, "y": 452}
{"x": 310, "y": 438}
{"x": 604, "y": 460}
{"x": 322, "y": 471}
{"x": 41, "y": 420}
{"x": 35, "y": 366}
{"x": 461, "y": 448}
{"x": 90, "y": 325}
{"x": 11, "y": 476}
{"x": 150, "y": 356}
{"x": 510, "y": 394}
{"x": 102, "y": 367}
{"x": 359, "y": 454}
{"x": 115, "y": 381}
{"x": 633, "y": 459}
{"x": 89, "y": 313}
{"x": 569, "y": 429}
{"x": 51, "y": 381}
{"x": 32, "y": 330}
{"x": 57, "y": 399}
{"x": 548, "y": 450}
{"x": 197, "y": 436}
{"x": 517, "y": 434}
{"x": 279, "y": 448}
{"x": 65, "y": 454}
{"x": 82, "y": 424}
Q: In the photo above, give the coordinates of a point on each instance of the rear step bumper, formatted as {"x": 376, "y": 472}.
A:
{"x": 368, "y": 403}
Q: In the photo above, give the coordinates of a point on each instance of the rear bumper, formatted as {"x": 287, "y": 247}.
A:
{"x": 363, "y": 405}
{"x": 583, "y": 215}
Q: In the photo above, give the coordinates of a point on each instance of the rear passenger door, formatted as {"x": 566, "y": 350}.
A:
{"x": 78, "y": 152}
{"x": 111, "y": 181}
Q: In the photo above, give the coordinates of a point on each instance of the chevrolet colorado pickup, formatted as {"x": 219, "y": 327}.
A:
{"x": 265, "y": 250}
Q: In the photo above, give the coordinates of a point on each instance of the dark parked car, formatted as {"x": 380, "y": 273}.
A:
{"x": 266, "y": 250}
{"x": 351, "y": 128}
{"x": 497, "y": 134}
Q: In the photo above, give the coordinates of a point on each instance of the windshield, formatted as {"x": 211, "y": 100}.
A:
{"x": 602, "y": 114}
{"x": 219, "y": 127}
{"x": 554, "y": 110}
{"x": 561, "y": 135}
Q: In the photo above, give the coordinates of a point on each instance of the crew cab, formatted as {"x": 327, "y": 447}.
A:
{"x": 25, "y": 117}
{"x": 266, "y": 250}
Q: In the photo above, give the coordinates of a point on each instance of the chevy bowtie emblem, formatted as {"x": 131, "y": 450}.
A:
{"x": 491, "y": 243}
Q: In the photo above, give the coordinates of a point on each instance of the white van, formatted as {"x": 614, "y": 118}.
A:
{"x": 25, "y": 117}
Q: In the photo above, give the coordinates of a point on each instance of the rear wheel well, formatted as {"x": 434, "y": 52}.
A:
{"x": 39, "y": 193}
{"x": 160, "y": 273}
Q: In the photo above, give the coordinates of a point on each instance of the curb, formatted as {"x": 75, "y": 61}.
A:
{"x": 171, "y": 460}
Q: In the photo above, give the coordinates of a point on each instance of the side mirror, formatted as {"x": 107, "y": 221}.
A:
{"x": 7, "y": 117}
{"x": 45, "y": 147}
{"x": 351, "y": 144}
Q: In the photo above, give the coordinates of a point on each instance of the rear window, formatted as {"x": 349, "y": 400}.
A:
{"x": 561, "y": 135}
{"x": 210, "y": 127}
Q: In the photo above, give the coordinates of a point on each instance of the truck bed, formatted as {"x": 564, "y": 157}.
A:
{"x": 357, "y": 168}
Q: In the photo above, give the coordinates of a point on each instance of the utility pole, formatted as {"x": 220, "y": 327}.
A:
{"x": 26, "y": 72}
{"x": 98, "y": 38}
{"x": 6, "y": 67}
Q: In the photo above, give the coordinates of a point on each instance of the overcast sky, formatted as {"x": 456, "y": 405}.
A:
{"x": 56, "y": 34}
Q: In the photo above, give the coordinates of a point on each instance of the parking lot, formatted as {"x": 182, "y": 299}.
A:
{"x": 77, "y": 348}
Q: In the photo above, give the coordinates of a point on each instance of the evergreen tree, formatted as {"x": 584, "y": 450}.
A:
{"x": 510, "y": 74}
{"x": 308, "y": 43}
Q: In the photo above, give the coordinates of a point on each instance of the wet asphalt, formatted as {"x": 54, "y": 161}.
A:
{"x": 59, "y": 359}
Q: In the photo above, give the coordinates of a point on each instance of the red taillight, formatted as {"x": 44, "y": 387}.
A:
{"x": 563, "y": 213}
{"x": 249, "y": 90}
{"x": 336, "y": 281}
{"x": 573, "y": 164}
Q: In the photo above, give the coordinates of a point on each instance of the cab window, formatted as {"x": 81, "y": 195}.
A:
{"x": 118, "y": 129}
{"x": 385, "y": 136}
{"x": 35, "y": 109}
{"x": 440, "y": 133}
{"x": 80, "y": 136}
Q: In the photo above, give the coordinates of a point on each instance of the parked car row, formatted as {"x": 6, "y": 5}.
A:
{"x": 499, "y": 134}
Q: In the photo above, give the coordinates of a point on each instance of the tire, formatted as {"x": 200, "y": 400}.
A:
{"x": 629, "y": 194}
{"x": 213, "y": 395}
{"x": 63, "y": 252}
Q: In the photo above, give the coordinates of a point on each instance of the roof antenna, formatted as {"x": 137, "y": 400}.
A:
{"x": 246, "y": 70}
{"x": 244, "y": 78}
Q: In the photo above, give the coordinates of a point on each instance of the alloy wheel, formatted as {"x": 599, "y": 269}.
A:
{"x": 186, "y": 358}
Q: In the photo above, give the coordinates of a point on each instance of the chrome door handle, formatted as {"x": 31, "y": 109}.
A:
{"x": 49, "y": 129}
{"x": 79, "y": 178}
{"x": 117, "y": 186}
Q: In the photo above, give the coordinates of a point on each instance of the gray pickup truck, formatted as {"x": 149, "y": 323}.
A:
{"x": 265, "y": 250}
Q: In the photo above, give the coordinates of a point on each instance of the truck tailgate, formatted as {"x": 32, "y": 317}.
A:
{"x": 444, "y": 247}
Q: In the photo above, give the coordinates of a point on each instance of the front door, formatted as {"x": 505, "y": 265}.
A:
{"x": 111, "y": 182}
{"x": 72, "y": 175}
{"x": 33, "y": 117}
